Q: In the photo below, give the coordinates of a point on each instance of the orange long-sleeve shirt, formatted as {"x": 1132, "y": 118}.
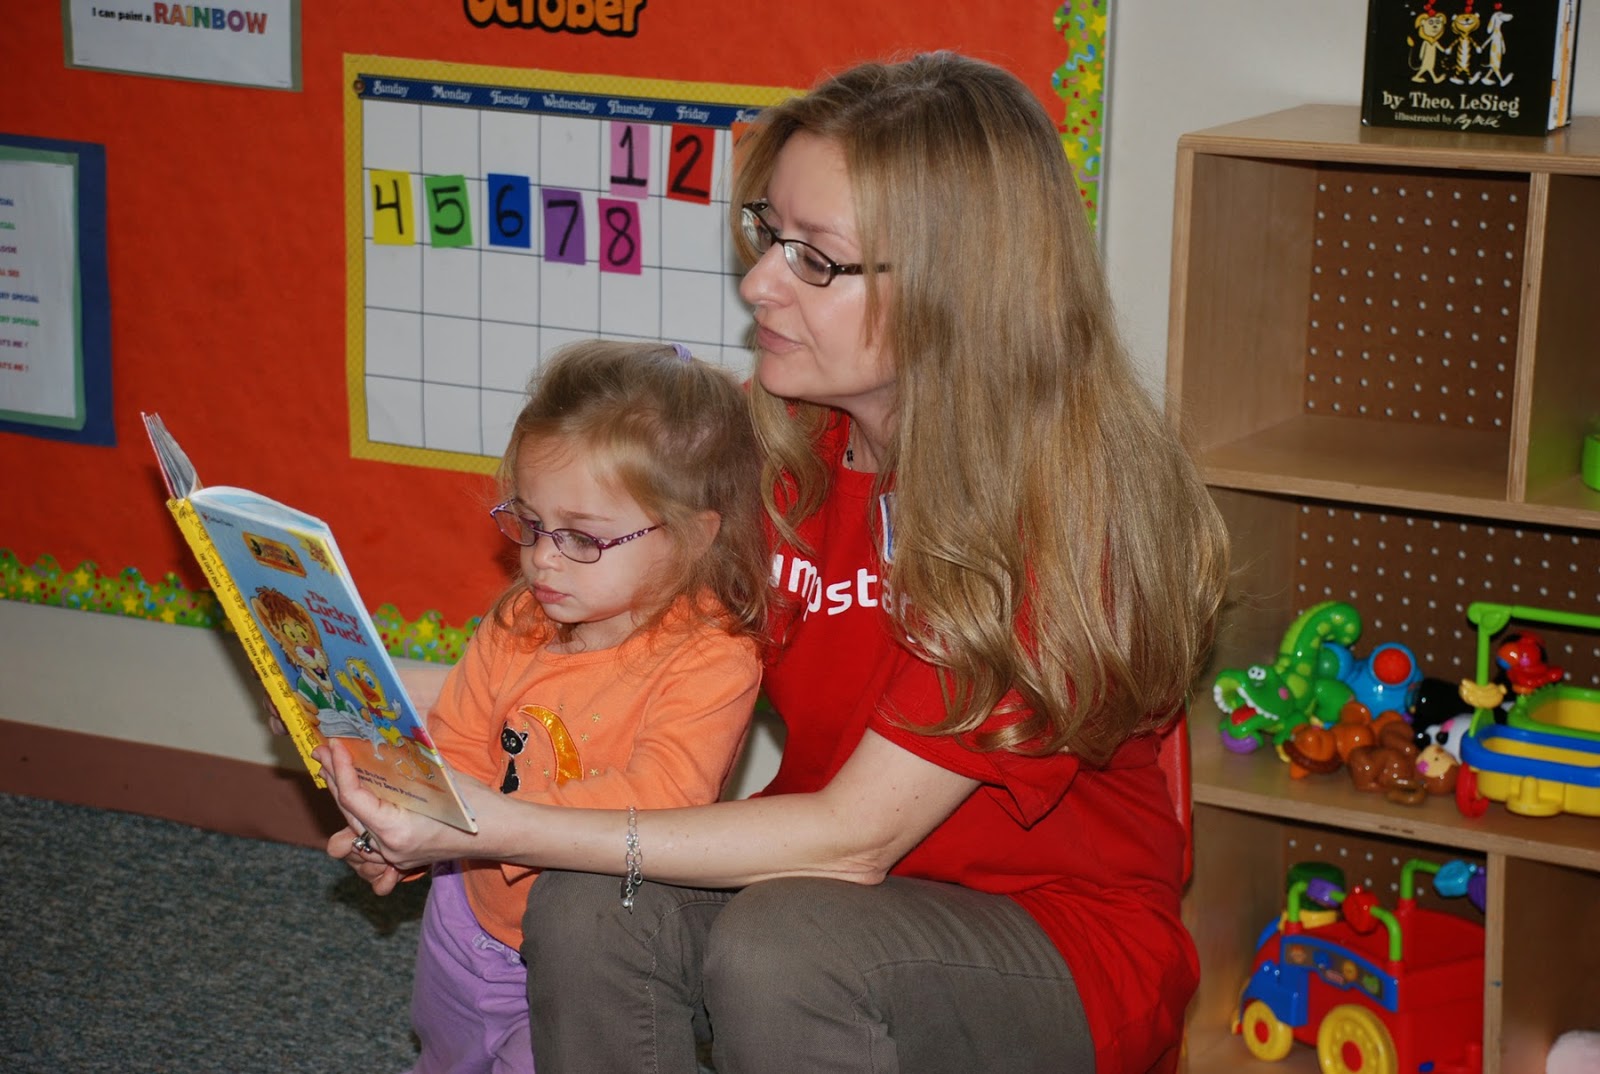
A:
{"x": 656, "y": 722}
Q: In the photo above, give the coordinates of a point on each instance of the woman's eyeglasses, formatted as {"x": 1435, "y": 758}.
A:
{"x": 576, "y": 545}
{"x": 807, "y": 262}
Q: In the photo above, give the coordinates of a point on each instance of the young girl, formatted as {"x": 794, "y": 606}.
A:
{"x": 618, "y": 671}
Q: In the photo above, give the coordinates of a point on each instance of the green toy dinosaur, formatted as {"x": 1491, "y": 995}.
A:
{"x": 1268, "y": 701}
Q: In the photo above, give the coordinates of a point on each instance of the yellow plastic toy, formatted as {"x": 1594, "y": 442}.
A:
{"x": 1545, "y": 759}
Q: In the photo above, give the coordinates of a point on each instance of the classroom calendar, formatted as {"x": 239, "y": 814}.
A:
{"x": 496, "y": 214}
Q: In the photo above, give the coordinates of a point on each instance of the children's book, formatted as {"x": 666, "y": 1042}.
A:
{"x": 285, "y": 588}
{"x": 1495, "y": 66}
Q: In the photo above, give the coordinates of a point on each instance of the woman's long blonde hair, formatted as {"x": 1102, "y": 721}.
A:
{"x": 675, "y": 434}
{"x": 1051, "y": 535}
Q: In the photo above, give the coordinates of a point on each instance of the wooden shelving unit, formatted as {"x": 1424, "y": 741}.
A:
{"x": 1385, "y": 351}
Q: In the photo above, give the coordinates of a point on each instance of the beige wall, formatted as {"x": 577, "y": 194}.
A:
{"x": 172, "y": 686}
{"x": 1182, "y": 67}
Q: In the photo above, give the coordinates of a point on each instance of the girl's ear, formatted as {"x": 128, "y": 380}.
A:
{"x": 701, "y": 532}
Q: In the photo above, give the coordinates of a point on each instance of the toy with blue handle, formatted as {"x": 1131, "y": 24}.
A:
{"x": 1457, "y": 878}
{"x": 1385, "y": 680}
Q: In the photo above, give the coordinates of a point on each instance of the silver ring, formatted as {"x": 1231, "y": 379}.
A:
{"x": 363, "y": 843}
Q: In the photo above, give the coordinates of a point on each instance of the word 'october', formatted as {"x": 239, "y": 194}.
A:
{"x": 614, "y": 18}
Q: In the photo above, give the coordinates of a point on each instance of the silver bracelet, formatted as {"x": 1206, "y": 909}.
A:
{"x": 633, "y": 874}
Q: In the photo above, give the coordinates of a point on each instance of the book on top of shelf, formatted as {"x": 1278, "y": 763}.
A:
{"x": 1491, "y": 66}
{"x": 284, "y": 587}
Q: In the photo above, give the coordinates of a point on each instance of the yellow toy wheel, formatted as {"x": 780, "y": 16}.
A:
{"x": 1353, "y": 1040}
{"x": 1265, "y": 1036}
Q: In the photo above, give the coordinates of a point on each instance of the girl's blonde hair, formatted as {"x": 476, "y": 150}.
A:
{"x": 674, "y": 433}
{"x": 1051, "y": 535}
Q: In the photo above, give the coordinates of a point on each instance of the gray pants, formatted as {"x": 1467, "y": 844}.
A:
{"x": 809, "y": 976}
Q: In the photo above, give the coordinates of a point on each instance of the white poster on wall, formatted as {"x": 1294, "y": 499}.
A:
{"x": 242, "y": 42}
{"x": 39, "y": 366}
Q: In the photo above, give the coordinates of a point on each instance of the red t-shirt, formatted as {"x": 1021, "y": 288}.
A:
{"x": 1094, "y": 854}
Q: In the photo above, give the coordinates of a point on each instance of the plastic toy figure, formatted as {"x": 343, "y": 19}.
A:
{"x": 1446, "y": 735}
{"x": 1385, "y": 680}
{"x": 1389, "y": 765}
{"x": 1436, "y": 701}
{"x": 1438, "y": 770}
{"x": 1545, "y": 758}
{"x": 1314, "y": 676}
{"x": 1267, "y": 702}
{"x": 1522, "y": 657}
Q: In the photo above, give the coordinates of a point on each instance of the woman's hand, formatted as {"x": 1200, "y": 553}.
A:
{"x": 397, "y": 841}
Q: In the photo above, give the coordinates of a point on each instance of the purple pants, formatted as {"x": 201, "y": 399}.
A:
{"x": 469, "y": 1002}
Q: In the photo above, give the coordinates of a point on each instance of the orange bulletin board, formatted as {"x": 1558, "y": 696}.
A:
{"x": 228, "y": 260}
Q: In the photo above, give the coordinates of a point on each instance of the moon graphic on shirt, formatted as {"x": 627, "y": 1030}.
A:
{"x": 568, "y": 766}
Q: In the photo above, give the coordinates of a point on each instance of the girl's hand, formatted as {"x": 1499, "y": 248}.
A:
{"x": 274, "y": 720}
{"x": 368, "y": 865}
{"x": 397, "y": 840}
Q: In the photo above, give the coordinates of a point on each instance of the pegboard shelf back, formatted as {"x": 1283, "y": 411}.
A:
{"x": 1398, "y": 327}
{"x": 1412, "y": 575}
{"x": 1416, "y": 283}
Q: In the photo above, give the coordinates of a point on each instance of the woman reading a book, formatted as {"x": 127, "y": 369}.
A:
{"x": 997, "y": 575}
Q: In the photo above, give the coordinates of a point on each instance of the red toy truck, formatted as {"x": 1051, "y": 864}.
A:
{"x": 1374, "y": 992}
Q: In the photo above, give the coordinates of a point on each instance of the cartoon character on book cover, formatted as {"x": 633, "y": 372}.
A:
{"x": 381, "y": 720}
{"x": 361, "y": 710}
{"x": 412, "y": 753}
{"x": 1463, "y": 55}
{"x": 296, "y": 633}
{"x": 1430, "y": 26}
{"x": 1452, "y": 63}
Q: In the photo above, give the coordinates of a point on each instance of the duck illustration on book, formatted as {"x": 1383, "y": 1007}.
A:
{"x": 380, "y": 724}
{"x": 379, "y": 718}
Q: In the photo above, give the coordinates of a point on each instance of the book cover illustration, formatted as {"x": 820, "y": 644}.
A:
{"x": 285, "y": 588}
{"x": 1493, "y": 66}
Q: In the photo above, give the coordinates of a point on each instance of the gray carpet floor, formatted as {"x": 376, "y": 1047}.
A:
{"x": 134, "y": 945}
